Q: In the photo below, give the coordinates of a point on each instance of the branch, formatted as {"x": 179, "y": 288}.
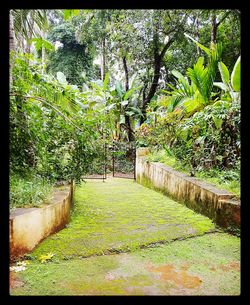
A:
{"x": 167, "y": 32}
{"x": 223, "y": 18}
{"x": 48, "y": 104}
{"x": 167, "y": 45}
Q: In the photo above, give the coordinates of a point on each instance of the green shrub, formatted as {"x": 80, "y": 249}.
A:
{"x": 29, "y": 191}
{"x": 227, "y": 179}
{"x": 210, "y": 138}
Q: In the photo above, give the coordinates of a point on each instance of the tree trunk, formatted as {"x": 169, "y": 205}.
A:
{"x": 214, "y": 29}
{"x": 127, "y": 119}
{"x": 157, "y": 67}
{"x": 216, "y": 24}
{"x": 147, "y": 99}
{"x": 126, "y": 73}
{"x": 12, "y": 44}
{"x": 103, "y": 59}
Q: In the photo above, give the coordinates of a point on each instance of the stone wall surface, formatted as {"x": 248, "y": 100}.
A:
{"x": 29, "y": 226}
{"x": 202, "y": 197}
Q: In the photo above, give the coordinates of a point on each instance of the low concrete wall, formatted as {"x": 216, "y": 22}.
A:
{"x": 29, "y": 226}
{"x": 199, "y": 196}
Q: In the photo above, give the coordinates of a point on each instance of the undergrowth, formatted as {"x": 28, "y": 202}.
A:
{"x": 28, "y": 191}
{"x": 223, "y": 179}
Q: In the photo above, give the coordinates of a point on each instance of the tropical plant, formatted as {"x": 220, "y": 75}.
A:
{"x": 230, "y": 84}
{"x": 50, "y": 123}
{"x": 210, "y": 138}
{"x": 115, "y": 102}
{"x": 28, "y": 190}
{"x": 24, "y": 26}
{"x": 28, "y": 24}
{"x": 194, "y": 91}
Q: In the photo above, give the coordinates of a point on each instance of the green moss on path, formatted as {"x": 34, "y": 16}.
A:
{"x": 204, "y": 265}
{"x": 120, "y": 215}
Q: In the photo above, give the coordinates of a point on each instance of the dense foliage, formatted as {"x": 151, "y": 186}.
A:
{"x": 210, "y": 138}
{"x": 45, "y": 124}
{"x": 201, "y": 131}
{"x": 169, "y": 79}
{"x": 75, "y": 60}
{"x": 29, "y": 191}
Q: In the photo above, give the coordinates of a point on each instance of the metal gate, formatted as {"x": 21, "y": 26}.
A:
{"x": 123, "y": 159}
{"x": 116, "y": 159}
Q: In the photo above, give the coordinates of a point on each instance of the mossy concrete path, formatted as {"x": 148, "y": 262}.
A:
{"x": 121, "y": 215}
{"x": 172, "y": 250}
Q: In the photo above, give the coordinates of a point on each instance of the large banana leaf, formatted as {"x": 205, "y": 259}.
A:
{"x": 118, "y": 87}
{"x": 224, "y": 73}
{"x": 235, "y": 76}
{"x": 221, "y": 86}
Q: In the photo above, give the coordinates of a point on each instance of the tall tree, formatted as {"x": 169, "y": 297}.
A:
{"x": 216, "y": 22}
{"x": 12, "y": 44}
{"x": 168, "y": 24}
{"x": 72, "y": 58}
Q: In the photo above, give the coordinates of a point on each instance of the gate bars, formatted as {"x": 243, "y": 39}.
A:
{"x": 118, "y": 159}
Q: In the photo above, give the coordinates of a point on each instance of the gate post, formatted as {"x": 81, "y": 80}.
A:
{"x": 113, "y": 159}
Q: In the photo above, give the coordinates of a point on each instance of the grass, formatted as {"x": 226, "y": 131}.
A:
{"x": 225, "y": 180}
{"x": 28, "y": 191}
{"x": 120, "y": 215}
{"x": 205, "y": 265}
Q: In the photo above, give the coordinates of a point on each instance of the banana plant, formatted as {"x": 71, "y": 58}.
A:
{"x": 122, "y": 101}
{"x": 230, "y": 83}
{"x": 113, "y": 101}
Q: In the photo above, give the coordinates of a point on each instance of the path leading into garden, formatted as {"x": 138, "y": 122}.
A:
{"x": 170, "y": 249}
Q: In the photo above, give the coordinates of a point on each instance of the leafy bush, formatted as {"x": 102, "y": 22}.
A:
{"x": 210, "y": 138}
{"x": 162, "y": 135}
{"x": 52, "y": 131}
{"x": 28, "y": 191}
{"x": 224, "y": 179}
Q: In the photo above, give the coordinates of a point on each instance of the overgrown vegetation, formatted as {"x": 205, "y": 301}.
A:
{"x": 228, "y": 180}
{"x": 169, "y": 79}
{"x": 29, "y": 191}
{"x": 201, "y": 134}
